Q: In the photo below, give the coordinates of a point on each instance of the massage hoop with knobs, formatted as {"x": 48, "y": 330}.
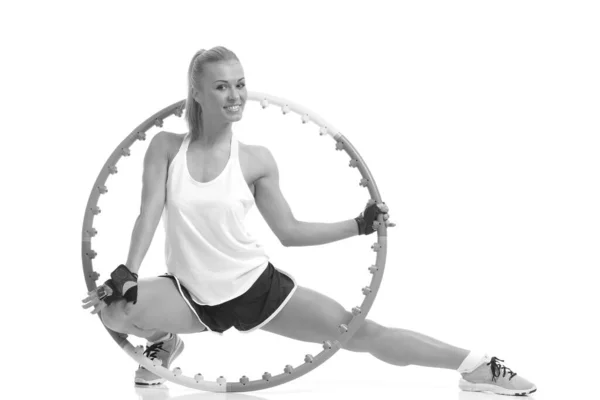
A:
{"x": 330, "y": 347}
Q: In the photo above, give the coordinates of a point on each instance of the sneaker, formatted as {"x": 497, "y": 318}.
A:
{"x": 495, "y": 378}
{"x": 166, "y": 351}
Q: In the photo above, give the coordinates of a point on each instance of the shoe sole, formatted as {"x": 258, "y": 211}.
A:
{"x": 158, "y": 381}
{"x": 486, "y": 387}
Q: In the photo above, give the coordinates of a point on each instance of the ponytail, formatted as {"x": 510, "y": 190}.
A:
{"x": 193, "y": 110}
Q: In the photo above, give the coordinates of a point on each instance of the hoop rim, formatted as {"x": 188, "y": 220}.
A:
{"x": 330, "y": 347}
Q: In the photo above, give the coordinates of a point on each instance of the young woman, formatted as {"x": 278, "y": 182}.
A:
{"x": 219, "y": 275}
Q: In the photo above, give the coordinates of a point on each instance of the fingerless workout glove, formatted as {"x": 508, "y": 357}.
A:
{"x": 366, "y": 218}
{"x": 123, "y": 284}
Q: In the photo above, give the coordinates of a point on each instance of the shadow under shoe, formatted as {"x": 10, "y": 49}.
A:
{"x": 166, "y": 351}
{"x": 496, "y": 378}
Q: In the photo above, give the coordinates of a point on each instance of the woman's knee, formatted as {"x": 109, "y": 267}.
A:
{"x": 118, "y": 316}
{"x": 367, "y": 334}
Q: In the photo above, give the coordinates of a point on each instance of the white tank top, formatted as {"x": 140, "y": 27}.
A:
{"x": 207, "y": 246}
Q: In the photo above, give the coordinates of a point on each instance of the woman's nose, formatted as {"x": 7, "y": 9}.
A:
{"x": 234, "y": 95}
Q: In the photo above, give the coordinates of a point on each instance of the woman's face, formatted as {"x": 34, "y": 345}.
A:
{"x": 222, "y": 93}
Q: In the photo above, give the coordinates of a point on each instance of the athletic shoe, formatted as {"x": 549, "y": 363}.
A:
{"x": 495, "y": 378}
{"x": 166, "y": 351}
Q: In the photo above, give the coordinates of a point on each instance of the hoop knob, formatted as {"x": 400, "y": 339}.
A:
{"x": 366, "y": 290}
{"x": 266, "y": 376}
{"x": 373, "y": 269}
{"x": 95, "y": 276}
{"x": 353, "y": 163}
{"x": 371, "y": 202}
{"x": 264, "y": 103}
{"x": 285, "y": 109}
{"x": 376, "y": 225}
{"x": 158, "y": 122}
{"x": 92, "y": 232}
{"x": 102, "y": 189}
{"x": 309, "y": 359}
{"x": 288, "y": 369}
{"x": 364, "y": 182}
{"x": 356, "y": 311}
{"x": 376, "y": 247}
{"x": 113, "y": 169}
{"x": 138, "y": 349}
{"x": 157, "y": 362}
{"x": 339, "y": 146}
{"x": 125, "y": 152}
{"x": 176, "y": 371}
{"x": 244, "y": 380}
{"x": 305, "y": 118}
{"x": 198, "y": 377}
{"x": 343, "y": 328}
{"x": 95, "y": 210}
{"x": 178, "y": 111}
{"x": 221, "y": 380}
{"x": 327, "y": 345}
{"x": 91, "y": 254}
{"x": 323, "y": 131}
{"x": 141, "y": 136}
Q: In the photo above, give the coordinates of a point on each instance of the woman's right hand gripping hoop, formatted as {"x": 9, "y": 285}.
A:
{"x": 121, "y": 285}
{"x": 96, "y": 298}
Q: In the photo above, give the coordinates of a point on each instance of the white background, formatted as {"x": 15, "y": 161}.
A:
{"x": 478, "y": 119}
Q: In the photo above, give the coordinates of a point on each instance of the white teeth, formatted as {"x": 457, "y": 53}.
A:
{"x": 233, "y": 108}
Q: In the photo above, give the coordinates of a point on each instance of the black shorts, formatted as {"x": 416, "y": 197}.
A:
{"x": 250, "y": 311}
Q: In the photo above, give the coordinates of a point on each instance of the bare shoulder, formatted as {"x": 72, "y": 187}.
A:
{"x": 259, "y": 157}
{"x": 168, "y": 143}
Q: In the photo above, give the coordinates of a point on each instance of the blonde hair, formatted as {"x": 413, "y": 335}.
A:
{"x": 193, "y": 111}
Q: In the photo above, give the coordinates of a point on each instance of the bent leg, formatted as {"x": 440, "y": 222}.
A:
{"x": 159, "y": 309}
{"x": 313, "y": 317}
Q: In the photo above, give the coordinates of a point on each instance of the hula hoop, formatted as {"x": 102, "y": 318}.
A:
{"x": 331, "y": 346}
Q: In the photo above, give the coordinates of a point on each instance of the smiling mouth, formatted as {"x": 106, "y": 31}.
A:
{"x": 233, "y": 108}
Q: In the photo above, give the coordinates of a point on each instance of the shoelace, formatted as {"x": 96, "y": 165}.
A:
{"x": 152, "y": 350}
{"x": 496, "y": 367}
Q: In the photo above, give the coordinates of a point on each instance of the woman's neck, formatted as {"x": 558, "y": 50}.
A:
{"x": 211, "y": 136}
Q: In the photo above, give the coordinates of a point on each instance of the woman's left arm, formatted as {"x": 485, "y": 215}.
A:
{"x": 278, "y": 215}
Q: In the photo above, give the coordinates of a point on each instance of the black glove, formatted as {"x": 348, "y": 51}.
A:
{"x": 121, "y": 285}
{"x": 366, "y": 218}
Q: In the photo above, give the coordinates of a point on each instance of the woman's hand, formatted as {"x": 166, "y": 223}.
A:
{"x": 121, "y": 285}
{"x": 96, "y": 298}
{"x": 367, "y": 219}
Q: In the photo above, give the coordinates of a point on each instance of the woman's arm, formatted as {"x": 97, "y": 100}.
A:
{"x": 154, "y": 186}
{"x": 278, "y": 215}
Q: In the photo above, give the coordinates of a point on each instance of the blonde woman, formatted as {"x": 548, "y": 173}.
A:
{"x": 219, "y": 276}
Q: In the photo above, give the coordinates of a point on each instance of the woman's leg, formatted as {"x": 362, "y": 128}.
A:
{"x": 312, "y": 317}
{"x": 298, "y": 320}
{"x": 159, "y": 310}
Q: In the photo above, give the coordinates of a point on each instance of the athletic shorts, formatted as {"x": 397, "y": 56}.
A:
{"x": 248, "y": 312}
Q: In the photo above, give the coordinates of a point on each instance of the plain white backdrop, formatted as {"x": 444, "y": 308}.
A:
{"x": 478, "y": 119}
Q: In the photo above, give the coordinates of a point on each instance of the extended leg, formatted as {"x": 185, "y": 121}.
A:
{"x": 299, "y": 320}
{"x": 160, "y": 309}
{"x": 404, "y": 347}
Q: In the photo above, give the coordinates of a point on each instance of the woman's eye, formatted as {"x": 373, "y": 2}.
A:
{"x": 241, "y": 85}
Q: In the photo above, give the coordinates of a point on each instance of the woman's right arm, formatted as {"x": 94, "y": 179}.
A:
{"x": 154, "y": 188}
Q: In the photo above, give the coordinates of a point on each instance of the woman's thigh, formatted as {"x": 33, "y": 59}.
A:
{"x": 160, "y": 307}
{"x": 309, "y": 316}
